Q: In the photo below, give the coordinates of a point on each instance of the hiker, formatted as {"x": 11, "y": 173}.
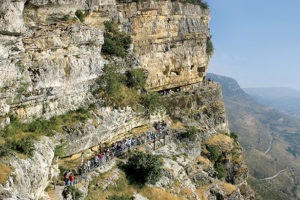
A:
{"x": 68, "y": 177}
{"x": 71, "y": 178}
{"x": 80, "y": 172}
{"x": 96, "y": 159}
{"x": 65, "y": 193}
{"x": 88, "y": 165}
{"x": 82, "y": 157}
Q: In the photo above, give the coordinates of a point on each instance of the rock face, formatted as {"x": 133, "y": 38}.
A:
{"x": 169, "y": 40}
{"x": 106, "y": 126}
{"x": 31, "y": 176}
{"x": 50, "y": 61}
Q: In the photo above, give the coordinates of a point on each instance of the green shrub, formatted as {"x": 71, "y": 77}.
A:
{"x": 119, "y": 90}
{"x": 59, "y": 151}
{"x": 135, "y": 78}
{"x": 191, "y": 133}
{"x": 221, "y": 171}
{"x": 111, "y": 81}
{"x": 154, "y": 103}
{"x": 76, "y": 194}
{"x": 79, "y": 14}
{"x": 214, "y": 153}
{"x": 65, "y": 18}
{"x": 115, "y": 197}
{"x": 62, "y": 170}
{"x": 144, "y": 168}
{"x": 111, "y": 27}
{"x": 234, "y": 136}
{"x": 20, "y": 137}
{"x": 209, "y": 47}
{"x": 115, "y": 42}
{"x": 123, "y": 39}
{"x": 42, "y": 127}
{"x": 5, "y": 150}
{"x": 111, "y": 47}
{"x": 202, "y": 3}
{"x": 24, "y": 145}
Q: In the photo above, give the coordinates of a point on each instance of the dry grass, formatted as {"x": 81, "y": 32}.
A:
{"x": 157, "y": 193}
{"x": 22, "y": 156}
{"x": 200, "y": 191}
{"x": 20, "y": 136}
{"x": 2, "y": 140}
{"x": 177, "y": 125}
{"x": 5, "y": 172}
{"x": 141, "y": 148}
{"x": 228, "y": 188}
{"x": 141, "y": 129}
{"x": 221, "y": 140}
{"x": 121, "y": 187}
{"x": 204, "y": 161}
{"x": 51, "y": 194}
{"x": 70, "y": 162}
{"x": 186, "y": 192}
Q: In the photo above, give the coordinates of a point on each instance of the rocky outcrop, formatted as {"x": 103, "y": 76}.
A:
{"x": 32, "y": 175}
{"x": 200, "y": 105}
{"x": 50, "y": 61}
{"x": 107, "y": 125}
{"x": 169, "y": 40}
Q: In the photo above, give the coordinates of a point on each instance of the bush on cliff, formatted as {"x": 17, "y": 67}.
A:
{"x": 191, "y": 133}
{"x": 201, "y": 3}
{"x": 215, "y": 155}
{"x": 154, "y": 103}
{"x": 220, "y": 169}
{"x": 20, "y": 136}
{"x": 115, "y": 42}
{"x": 114, "y": 90}
{"x": 76, "y": 194}
{"x": 144, "y": 168}
{"x": 234, "y": 136}
{"x": 121, "y": 90}
{"x": 209, "y": 46}
{"x": 135, "y": 78}
{"x": 80, "y": 15}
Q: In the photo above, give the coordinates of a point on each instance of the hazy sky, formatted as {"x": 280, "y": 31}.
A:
{"x": 257, "y": 42}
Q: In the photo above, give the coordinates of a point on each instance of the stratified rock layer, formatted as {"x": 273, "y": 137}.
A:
{"x": 49, "y": 59}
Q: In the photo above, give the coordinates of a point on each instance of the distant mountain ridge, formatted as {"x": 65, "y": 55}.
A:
{"x": 282, "y": 98}
{"x": 273, "y": 92}
{"x": 270, "y": 138}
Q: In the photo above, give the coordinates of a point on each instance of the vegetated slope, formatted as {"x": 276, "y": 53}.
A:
{"x": 96, "y": 70}
{"x": 270, "y": 140}
{"x": 282, "y": 98}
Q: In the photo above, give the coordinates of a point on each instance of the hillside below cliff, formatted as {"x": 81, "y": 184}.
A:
{"x": 269, "y": 139}
{"x": 79, "y": 77}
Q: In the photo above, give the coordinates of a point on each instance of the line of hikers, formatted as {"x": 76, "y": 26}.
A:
{"x": 116, "y": 149}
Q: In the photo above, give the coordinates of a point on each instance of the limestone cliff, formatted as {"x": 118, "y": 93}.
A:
{"x": 51, "y": 63}
{"x": 49, "y": 59}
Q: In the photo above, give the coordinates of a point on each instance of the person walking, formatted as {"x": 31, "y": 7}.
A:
{"x": 65, "y": 193}
{"x": 88, "y": 165}
{"x": 71, "y": 178}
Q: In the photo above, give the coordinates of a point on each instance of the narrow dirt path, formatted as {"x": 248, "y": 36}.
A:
{"x": 270, "y": 145}
{"x": 278, "y": 173}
